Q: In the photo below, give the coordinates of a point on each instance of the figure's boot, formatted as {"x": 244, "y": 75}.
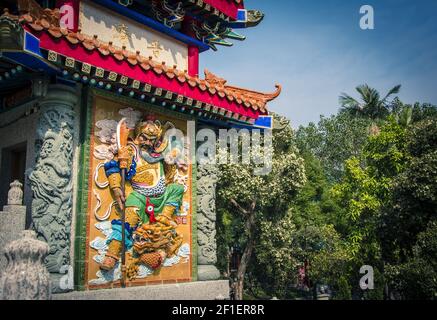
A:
{"x": 114, "y": 249}
{"x": 166, "y": 217}
{"x": 112, "y": 256}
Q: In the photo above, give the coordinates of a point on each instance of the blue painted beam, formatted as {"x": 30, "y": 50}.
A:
{"x": 265, "y": 122}
{"x": 30, "y": 56}
{"x": 138, "y": 17}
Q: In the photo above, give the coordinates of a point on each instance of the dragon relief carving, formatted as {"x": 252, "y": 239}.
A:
{"x": 51, "y": 183}
{"x": 206, "y": 216}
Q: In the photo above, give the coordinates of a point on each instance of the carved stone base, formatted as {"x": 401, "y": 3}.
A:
{"x": 208, "y": 290}
{"x": 12, "y": 223}
{"x": 58, "y": 283}
{"x": 207, "y": 273}
{"x": 25, "y": 277}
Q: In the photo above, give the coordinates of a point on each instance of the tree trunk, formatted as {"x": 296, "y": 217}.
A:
{"x": 239, "y": 287}
{"x": 247, "y": 253}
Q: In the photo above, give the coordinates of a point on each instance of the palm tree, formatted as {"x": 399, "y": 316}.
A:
{"x": 371, "y": 106}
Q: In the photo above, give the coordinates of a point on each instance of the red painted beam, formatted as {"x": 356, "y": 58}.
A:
{"x": 78, "y": 52}
{"x": 228, "y": 7}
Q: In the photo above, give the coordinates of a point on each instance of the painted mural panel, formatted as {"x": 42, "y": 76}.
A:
{"x": 157, "y": 202}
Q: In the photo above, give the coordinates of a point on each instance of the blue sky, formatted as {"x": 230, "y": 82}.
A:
{"x": 316, "y": 50}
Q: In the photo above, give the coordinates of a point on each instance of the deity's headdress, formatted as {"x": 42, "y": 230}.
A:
{"x": 154, "y": 130}
{"x": 151, "y": 128}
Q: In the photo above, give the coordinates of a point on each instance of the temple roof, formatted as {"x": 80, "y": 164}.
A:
{"x": 47, "y": 21}
{"x": 211, "y": 22}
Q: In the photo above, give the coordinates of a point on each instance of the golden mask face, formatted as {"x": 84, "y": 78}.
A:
{"x": 151, "y": 237}
{"x": 148, "y": 132}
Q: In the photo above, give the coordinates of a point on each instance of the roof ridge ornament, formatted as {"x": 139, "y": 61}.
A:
{"x": 36, "y": 11}
{"x": 274, "y": 95}
{"x": 247, "y": 19}
{"x": 214, "y": 79}
{"x": 254, "y": 17}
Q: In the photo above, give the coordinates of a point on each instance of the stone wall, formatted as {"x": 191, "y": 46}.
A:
{"x": 18, "y": 126}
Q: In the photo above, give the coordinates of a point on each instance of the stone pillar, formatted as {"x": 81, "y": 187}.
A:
{"x": 12, "y": 219}
{"x": 25, "y": 277}
{"x": 206, "y": 223}
{"x": 51, "y": 180}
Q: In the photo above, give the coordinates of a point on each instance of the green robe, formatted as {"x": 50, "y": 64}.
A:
{"x": 173, "y": 197}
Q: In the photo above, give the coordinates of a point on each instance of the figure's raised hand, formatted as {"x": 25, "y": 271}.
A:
{"x": 123, "y": 157}
{"x": 119, "y": 197}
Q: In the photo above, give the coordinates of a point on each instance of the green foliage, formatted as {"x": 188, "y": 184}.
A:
{"x": 274, "y": 190}
{"x": 366, "y": 187}
{"x": 272, "y": 193}
{"x": 416, "y": 279}
{"x": 227, "y": 226}
{"x": 275, "y": 257}
{"x": 385, "y": 152}
{"x": 328, "y": 255}
{"x": 423, "y": 138}
{"x": 314, "y": 203}
{"x": 334, "y": 140}
{"x": 384, "y": 196}
{"x": 414, "y": 194}
{"x": 358, "y": 188}
{"x": 407, "y": 113}
{"x": 344, "y": 291}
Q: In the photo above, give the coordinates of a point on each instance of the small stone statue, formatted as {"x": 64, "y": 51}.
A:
{"x": 25, "y": 277}
{"x": 15, "y": 194}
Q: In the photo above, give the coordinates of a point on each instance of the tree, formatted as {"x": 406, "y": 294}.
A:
{"x": 373, "y": 177}
{"x": 365, "y": 190}
{"x": 334, "y": 140}
{"x": 251, "y": 200}
{"x": 313, "y": 204}
{"x": 413, "y": 203}
{"x": 390, "y": 193}
{"x": 371, "y": 105}
{"x": 416, "y": 279}
{"x": 276, "y": 262}
{"x": 407, "y": 114}
{"x": 326, "y": 253}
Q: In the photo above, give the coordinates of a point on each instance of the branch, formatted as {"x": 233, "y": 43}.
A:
{"x": 252, "y": 207}
{"x": 242, "y": 210}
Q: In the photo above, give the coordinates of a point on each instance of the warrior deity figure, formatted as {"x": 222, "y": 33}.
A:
{"x": 150, "y": 209}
